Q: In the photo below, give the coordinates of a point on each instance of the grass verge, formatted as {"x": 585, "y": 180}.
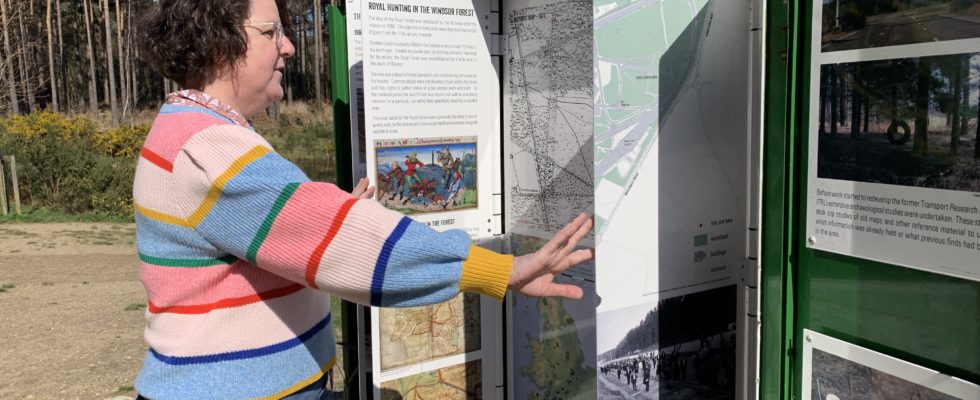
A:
{"x": 43, "y": 215}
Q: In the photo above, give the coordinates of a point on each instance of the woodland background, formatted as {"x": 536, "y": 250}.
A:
{"x": 77, "y": 100}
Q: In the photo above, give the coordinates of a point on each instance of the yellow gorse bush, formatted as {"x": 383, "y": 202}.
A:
{"x": 124, "y": 141}
{"x": 70, "y": 164}
{"x": 46, "y": 122}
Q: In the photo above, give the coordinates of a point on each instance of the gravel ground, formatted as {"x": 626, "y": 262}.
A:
{"x": 71, "y": 311}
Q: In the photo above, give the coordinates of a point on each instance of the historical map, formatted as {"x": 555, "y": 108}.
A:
{"x": 554, "y": 353}
{"x": 417, "y": 334}
{"x": 458, "y": 382}
{"x": 672, "y": 104}
{"x": 671, "y": 127}
{"x": 548, "y": 112}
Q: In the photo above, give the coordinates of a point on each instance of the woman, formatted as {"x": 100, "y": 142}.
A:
{"x": 239, "y": 249}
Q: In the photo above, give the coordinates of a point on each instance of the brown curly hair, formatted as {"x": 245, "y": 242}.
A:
{"x": 191, "y": 41}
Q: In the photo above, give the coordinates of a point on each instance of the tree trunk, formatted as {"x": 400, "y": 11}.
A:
{"x": 954, "y": 132}
{"x": 302, "y": 53}
{"x": 842, "y": 102}
{"x": 36, "y": 54}
{"x": 834, "y": 99}
{"x": 65, "y": 85}
{"x": 110, "y": 62}
{"x": 976, "y": 137}
{"x": 122, "y": 61}
{"x": 893, "y": 104}
{"x": 976, "y": 140}
{"x": 25, "y": 59}
{"x": 325, "y": 51}
{"x": 920, "y": 139}
{"x": 965, "y": 98}
{"x": 867, "y": 113}
{"x": 93, "y": 93}
{"x": 130, "y": 64}
{"x": 54, "y": 85}
{"x": 14, "y": 108}
{"x": 317, "y": 55}
{"x": 822, "y": 109}
{"x": 855, "y": 103}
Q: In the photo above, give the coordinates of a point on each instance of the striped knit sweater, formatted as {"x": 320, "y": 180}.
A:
{"x": 239, "y": 251}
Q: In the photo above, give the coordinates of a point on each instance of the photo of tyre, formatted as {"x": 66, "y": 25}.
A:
{"x": 907, "y": 122}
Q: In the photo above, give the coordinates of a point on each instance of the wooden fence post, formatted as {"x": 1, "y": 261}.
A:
{"x": 13, "y": 180}
{"x": 3, "y": 190}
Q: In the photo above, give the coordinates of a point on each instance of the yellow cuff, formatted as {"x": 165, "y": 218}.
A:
{"x": 486, "y": 272}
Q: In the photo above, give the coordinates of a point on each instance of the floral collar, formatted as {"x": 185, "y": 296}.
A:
{"x": 197, "y": 98}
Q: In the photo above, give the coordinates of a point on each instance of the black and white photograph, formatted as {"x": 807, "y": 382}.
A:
{"x": 835, "y": 369}
{"x": 839, "y": 378}
{"x": 681, "y": 347}
{"x": 907, "y": 122}
{"x": 852, "y": 25}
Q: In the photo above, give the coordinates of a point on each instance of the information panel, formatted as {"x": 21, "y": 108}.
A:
{"x": 894, "y": 160}
{"x": 431, "y": 104}
{"x": 548, "y": 147}
{"x": 355, "y": 76}
{"x": 672, "y": 103}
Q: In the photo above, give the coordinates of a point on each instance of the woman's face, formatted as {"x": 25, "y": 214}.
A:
{"x": 256, "y": 80}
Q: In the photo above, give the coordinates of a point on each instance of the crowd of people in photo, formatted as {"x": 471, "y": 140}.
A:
{"x": 634, "y": 368}
{"x": 711, "y": 364}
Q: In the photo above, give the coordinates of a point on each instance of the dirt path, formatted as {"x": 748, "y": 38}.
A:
{"x": 71, "y": 311}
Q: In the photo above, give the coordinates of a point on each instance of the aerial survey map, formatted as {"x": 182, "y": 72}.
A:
{"x": 670, "y": 126}
{"x": 671, "y": 129}
{"x": 417, "y": 334}
{"x": 548, "y": 113}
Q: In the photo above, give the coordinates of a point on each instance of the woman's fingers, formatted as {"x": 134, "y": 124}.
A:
{"x": 362, "y": 190}
{"x": 580, "y": 233}
{"x": 567, "y": 291}
{"x": 580, "y": 256}
{"x": 564, "y": 234}
{"x": 359, "y": 187}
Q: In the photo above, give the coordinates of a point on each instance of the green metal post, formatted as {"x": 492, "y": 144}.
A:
{"x": 778, "y": 217}
{"x": 345, "y": 178}
{"x": 341, "y": 96}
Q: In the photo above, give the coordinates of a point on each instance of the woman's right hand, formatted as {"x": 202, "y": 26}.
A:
{"x": 534, "y": 274}
{"x": 363, "y": 190}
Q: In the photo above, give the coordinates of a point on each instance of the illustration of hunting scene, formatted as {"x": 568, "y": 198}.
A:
{"x": 427, "y": 178}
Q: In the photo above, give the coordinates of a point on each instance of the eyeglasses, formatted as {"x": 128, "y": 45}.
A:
{"x": 278, "y": 31}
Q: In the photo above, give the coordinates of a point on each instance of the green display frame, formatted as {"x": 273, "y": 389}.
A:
{"x": 924, "y": 318}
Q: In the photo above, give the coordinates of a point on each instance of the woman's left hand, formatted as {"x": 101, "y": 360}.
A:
{"x": 363, "y": 190}
{"x": 534, "y": 274}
